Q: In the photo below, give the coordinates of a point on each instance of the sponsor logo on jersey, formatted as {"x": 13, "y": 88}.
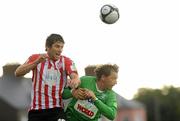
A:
{"x": 86, "y": 108}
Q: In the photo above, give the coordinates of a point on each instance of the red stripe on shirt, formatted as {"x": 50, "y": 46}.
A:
{"x": 54, "y": 65}
{"x": 49, "y": 64}
{"x": 34, "y": 86}
{"x": 61, "y": 85}
{"x": 54, "y": 95}
{"x": 40, "y": 85}
{"x": 60, "y": 89}
{"x": 46, "y": 97}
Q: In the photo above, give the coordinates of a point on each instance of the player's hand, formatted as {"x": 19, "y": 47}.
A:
{"x": 41, "y": 58}
{"x": 74, "y": 83}
{"x": 90, "y": 94}
{"x": 79, "y": 93}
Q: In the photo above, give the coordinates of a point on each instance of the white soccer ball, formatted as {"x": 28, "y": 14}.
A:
{"x": 109, "y": 14}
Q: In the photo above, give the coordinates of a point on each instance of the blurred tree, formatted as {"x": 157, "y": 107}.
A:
{"x": 161, "y": 104}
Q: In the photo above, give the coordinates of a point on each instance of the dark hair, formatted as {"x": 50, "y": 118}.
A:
{"x": 105, "y": 70}
{"x": 51, "y": 39}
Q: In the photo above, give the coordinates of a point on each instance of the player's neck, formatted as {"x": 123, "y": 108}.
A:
{"x": 100, "y": 86}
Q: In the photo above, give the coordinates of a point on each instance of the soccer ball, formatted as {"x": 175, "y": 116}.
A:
{"x": 109, "y": 14}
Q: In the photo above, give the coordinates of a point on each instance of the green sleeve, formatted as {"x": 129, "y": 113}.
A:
{"x": 66, "y": 93}
{"x": 108, "y": 109}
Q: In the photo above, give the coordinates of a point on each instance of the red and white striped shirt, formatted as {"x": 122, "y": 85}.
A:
{"x": 48, "y": 82}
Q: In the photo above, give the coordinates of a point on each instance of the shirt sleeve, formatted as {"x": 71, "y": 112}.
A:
{"x": 108, "y": 109}
{"x": 32, "y": 58}
{"x": 67, "y": 93}
{"x": 70, "y": 66}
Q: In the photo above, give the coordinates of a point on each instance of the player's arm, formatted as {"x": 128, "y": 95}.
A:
{"x": 75, "y": 81}
{"x": 29, "y": 65}
{"x": 71, "y": 70}
{"x": 78, "y": 93}
{"x": 67, "y": 93}
{"x": 108, "y": 109}
{"x": 25, "y": 68}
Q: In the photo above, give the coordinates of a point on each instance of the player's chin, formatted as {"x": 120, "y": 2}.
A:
{"x": 56, "y": 57}
{"x": 109, "y": 88}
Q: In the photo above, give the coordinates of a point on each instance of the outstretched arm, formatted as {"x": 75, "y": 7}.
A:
{"x": 28, "y": 66}
{"x": 25, "y": 68}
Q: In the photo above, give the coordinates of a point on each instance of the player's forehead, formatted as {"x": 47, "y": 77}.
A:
{"x": 56, "y": 45}
{"x": 58, "y": 42}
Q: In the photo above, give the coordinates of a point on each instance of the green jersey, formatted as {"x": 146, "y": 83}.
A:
{"x": 87, "y": 110}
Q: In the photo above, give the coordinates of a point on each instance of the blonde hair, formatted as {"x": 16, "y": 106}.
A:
{"x": 105, "y": 69}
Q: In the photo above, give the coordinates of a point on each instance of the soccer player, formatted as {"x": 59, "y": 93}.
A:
{"x": 95, "y": 96}
{"x": 50, "y": 72}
